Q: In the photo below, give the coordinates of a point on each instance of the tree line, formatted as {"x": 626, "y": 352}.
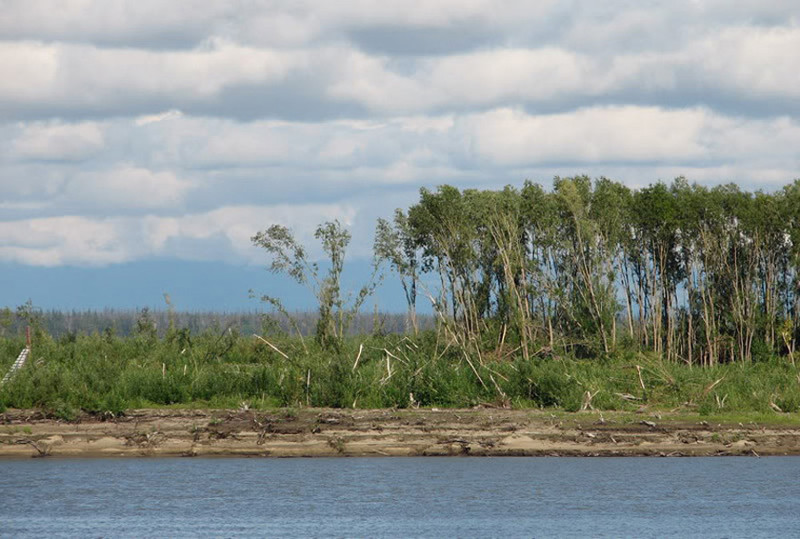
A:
{"x": 695, "y": 274}
{"x": 63, "y": 324}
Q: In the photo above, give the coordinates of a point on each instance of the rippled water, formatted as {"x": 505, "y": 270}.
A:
{"x": 363, "y": 497}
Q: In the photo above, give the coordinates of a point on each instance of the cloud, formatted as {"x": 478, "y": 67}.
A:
{"x": 127, "y": 187}
{"x": 608, "y": 134}
{"x": 631, "y": 134}
{"x": 68, "y": 78}
{"x": 59, "y": 141}
{"x": 132, "y": 130}
{"x": 761, "y": 62}
{"x": 722, "y": 68}
{"x": 150, "y": 23}
{"x": 63, "y": 240}
{"x": 221, "y": 234}
{"x": 743, "y": 65}
{"x": 158, "y": 117}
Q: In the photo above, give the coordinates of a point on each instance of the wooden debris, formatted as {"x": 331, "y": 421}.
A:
{"x": 587, "y": 400}
{"x": 358, "y": 356}
{"x": 265, "y": 341}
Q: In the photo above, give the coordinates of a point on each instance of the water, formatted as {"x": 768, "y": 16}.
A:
{"x": 362, "y": 497}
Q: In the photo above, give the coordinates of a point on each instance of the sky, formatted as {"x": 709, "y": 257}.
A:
{"x": 143, "y": 143}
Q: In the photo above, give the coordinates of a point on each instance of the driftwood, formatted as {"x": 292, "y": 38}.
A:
{"x": 41, "y": 451}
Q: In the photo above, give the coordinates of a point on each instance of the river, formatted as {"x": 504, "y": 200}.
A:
{"x": 401, "y": 497}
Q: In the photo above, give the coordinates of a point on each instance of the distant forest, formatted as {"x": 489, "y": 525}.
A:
{"x": 126, "y": 322}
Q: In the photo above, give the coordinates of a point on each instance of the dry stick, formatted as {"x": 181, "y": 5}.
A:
{"x": 466, "y": 356}
{"x": 388, "y": 372}
{"x": 308, "y": 387}
{"x": 495, "y": 372}
{"x": 511, "y": 352}
{"x": 388, "y": 353}
{"x": 587, "y": 400}
{"x": 407, "y": 361}
{"x": 711, "y": 386}
{"x": 265, "y": 341}
{"x": 497, "y": 387}
{"x": 410, "y": 341}
{"x": 480, "y": 356}
{"x": 502, "y": 339}
{"x": 446, "y": 348}
{"x": 641, "y": 381}
{"x": 360, "y": 349}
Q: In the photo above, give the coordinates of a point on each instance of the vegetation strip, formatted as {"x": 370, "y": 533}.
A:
{"x": 590, "y": 296}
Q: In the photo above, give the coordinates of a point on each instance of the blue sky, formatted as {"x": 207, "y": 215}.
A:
{"x": 142, "y": 143}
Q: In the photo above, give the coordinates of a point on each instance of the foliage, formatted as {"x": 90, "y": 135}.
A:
{"x": 107, "y": 377}
{"x": 336, "y": 310}
{"x": 696, "y": 275}
{"x": 588, "y": 295}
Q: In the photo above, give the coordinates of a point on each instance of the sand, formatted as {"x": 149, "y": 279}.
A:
{"x": 416, "y": 432}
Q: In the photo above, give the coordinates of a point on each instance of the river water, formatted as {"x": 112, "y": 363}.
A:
{"x": 402, "y": 497}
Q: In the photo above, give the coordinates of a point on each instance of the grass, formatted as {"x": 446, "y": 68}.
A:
{"x": 108, "y": 375}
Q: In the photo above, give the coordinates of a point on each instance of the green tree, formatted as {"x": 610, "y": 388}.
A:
{"x": 336, "y": 310}
{"x": 394, "y": 243}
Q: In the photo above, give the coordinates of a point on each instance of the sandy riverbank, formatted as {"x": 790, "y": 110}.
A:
{"x": 325, "y": 432}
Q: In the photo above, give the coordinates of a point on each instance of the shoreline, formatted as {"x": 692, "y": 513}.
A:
{"x": 320, "y": 432}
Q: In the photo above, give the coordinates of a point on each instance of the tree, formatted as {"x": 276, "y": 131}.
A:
{"x": 336, "y": 311}
{"x": 394, "y": 243}
{"x": 593, "y": 307}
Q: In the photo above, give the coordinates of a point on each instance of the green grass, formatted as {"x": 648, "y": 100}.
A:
{"x": 101, "y": 374}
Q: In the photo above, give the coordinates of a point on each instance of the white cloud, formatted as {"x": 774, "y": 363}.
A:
{"x": 237, "y": 224}
{"x": 231, "y": 144}
{"x": 178, "y": 129}
{"x": 127, "y": 187}
{"x": 763, "y": 62}
{"x": 745, "y": 63}
{"x": 57, "y": 241}
{"x": 630, "y": 134}
{"x": 28, "y": 71}
{"x": 158, "y": 117}
{"x": 179, "y": 22}
{"x": 113, "y": 21}
{"x": 740, "y": 63}
{"x": 508, "y": 136}
{"x": 85, "y": 76}
{"x": 59, "y": 141}
{"x": 76, "y": 240}
{"x": 487, "y": 77}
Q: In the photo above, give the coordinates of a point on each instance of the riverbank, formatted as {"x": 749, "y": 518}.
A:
{"x": 311, "y": 432}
